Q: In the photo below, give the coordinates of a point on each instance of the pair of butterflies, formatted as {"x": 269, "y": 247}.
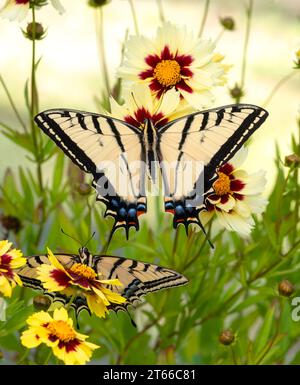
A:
{"x": 89, "y": 139}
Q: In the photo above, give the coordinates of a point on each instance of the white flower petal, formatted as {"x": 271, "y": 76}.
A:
{"x": 229, "y": 205}
{"x": 58, "y": 6}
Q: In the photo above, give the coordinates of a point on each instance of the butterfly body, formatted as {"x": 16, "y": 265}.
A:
{"x": 121, "y": 156}
{"x": 137, "y": 278}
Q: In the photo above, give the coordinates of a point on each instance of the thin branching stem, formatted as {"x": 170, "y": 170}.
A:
{"x": 219, "y": 36}
{"x": 33, "y": 112}
{"x": 99, "y": 22}
{"x": 204, "y": 18}
{"x": 249, "y": 13}
{"x": 278, "y": 85}
{"x": 134, "y": 17}
{"x": 12, "y": 103}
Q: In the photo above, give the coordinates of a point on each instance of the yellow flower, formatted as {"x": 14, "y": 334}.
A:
{"x": 59, "y": 334}
{"x": 175, "y": 59}
{"x": 10, "y": 259}
{"x": 236, "y": 196}
{"x": 139, "y": 104}
{"x": 79, "y": 279}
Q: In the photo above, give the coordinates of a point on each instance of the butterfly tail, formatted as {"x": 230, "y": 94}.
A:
{"x": 184, "y": 214}
{"x": 125, "y": 214}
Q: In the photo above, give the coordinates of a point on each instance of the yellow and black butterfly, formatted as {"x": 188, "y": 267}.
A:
{"x": 137, "y": 278}
{"x": 107, "y": 148}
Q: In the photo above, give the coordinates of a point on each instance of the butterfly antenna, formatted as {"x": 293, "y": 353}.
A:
{"x": 70, "y": 236}
{"x": 91, "y": 237}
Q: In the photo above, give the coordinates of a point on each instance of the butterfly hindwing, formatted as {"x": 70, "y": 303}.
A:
{"x": 108, "y": 149}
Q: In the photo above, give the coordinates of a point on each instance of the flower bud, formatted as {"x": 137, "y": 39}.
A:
{"x": 236, "y": 92}
{"x": 226, "y": 337}
{"x": 228, "y": 23}
{"x": 10, "y": 223}
{"x": 98, "y": 3}
{"x": 297, "y": 59}
{"x": 41, "y": 302}
{"x": 40, "y": 33}
{"x": 292, "y": 160}
{"x": 84, "y": 189}
{"x": 285, "y": 288}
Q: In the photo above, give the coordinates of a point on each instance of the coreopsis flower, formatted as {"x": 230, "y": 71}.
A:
{"x": 236, "y": 196}
{"x": 175, "y": 59}
{"x": 58, "y": 333}
{"x": 18, "y": 9}
{"x": 140, "y": 104}
{"x": 79, "y": 279}
{"x": 10, "y": 259}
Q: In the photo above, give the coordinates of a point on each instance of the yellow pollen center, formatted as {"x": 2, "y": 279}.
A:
{"x": 167, "y": 72}
{"x": 83, "y": 271}
{"x": 222, "y": 184}
{"x": 61, "y": 330}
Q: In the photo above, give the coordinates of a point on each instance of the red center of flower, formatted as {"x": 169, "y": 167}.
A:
{"x": 5, "y": 267}
{"x": 141, "y": 114}
{"x": 22, "y": 1}
{"x": 168, "y": 70}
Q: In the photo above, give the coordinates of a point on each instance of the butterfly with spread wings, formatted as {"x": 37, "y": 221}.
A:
{"x": 107, "y": 148}
{"x": 137, "y": 278}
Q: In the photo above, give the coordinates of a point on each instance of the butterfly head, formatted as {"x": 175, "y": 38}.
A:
{"x": 85, "y": 256}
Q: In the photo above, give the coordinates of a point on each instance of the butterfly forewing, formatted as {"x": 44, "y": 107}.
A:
{"x": 109, "y": 149}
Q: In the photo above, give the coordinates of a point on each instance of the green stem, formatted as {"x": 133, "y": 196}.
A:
{"x": 204, "y": 17}
{"x": 160, "y": 11}
{"x": 69, "y": 304}
{"x": 48, "y": 357}
{"x": 246, "y": 44}
{"x": 277, "y": 86}
{"x": 33, "y": 112}
{"x": 274, "y": 338}
{"x": 18, "y": 116}
{"x": 100, "y": 32}
{"x": 219, "y": 36}
{"x": 233, "y": 355}
{"x": 134, "y": 17}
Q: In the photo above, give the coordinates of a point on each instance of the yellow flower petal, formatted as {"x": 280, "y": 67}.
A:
{"x": 17, "y": 260}
{"x": 54, "y": 261}
{"x": 5, "y": 287}
{"x": 4, "y": 247}
{"x": 44, "y": 275}
{"x": 115, "y": 282}
{"x": 96, "y": 306}
{"x": 30, "y": 339}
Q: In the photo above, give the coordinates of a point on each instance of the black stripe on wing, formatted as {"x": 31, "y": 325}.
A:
{"x": 125, "y": 214}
